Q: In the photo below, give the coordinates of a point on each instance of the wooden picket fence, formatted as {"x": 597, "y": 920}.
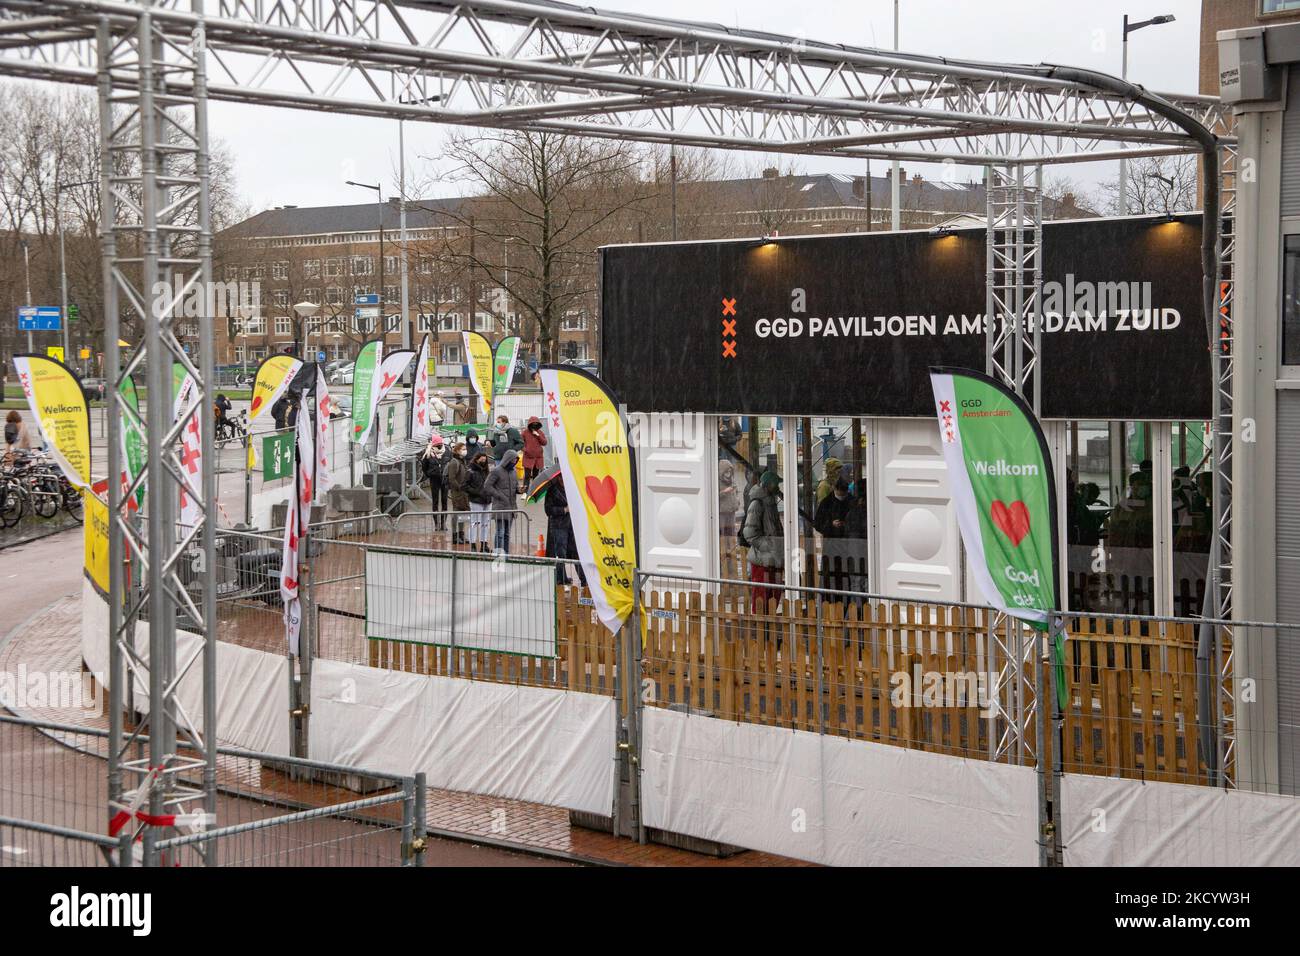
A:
{"x": 893, "y": 672}
{"x": 585, "y": 655}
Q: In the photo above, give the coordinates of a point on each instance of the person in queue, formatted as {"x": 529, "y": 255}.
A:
{"x": 534, "y": 456}
{"x": 501, "y": 486}
{"x": 479, "y": 500}
{"x": 456, "y": 481}
{"x": 433, "y": 465}
{"x": 560, "y": 541}
{"x": 765, "y": 538}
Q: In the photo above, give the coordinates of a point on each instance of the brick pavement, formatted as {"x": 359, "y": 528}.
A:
{"x": 50, "y": 641}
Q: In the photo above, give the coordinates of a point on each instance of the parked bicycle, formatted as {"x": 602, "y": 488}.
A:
{"x": 30, "y": 482}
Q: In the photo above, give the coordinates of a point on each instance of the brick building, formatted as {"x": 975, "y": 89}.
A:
{"x": 1219, "y": 15}
{"x": 328, "y": 255}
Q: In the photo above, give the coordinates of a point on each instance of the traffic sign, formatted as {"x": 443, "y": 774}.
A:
{"x": 73, "y": 313}
{"x": 366, "y": 298}
{"x": 320, "y": 356}
{"x": 54, "y": 352}
{"x": 84, "y": 353}
{"x": 39, "y": 318}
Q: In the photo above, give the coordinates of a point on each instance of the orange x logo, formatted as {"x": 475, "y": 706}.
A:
{"x": 729, "y": 327}
{"x": 728, "y": 306}
{"x": 728, "y": 349}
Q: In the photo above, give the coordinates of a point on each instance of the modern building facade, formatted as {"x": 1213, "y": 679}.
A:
{"x": 1258, "y": 72}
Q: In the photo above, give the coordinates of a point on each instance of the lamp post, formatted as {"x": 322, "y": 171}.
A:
{"x": 895, "y": 214}
{"x": 408, "y": 331}
{"x": 379, "y": 191}
{"x": 246, "y": 312}
{"x": 1133, "y": 27}
{"x": 305, "y": 311}
{"x": 27, "y": 267}
{"x": 1169, "y": 194}
{"x": 63, "y": 260}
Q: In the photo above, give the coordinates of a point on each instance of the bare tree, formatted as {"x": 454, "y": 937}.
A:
{"x": 1156, "y": 184}
{"x": 772, "y": 196}
{"x": 52, "y": 142}
{"x": 546, "y": 201}
{"x": 693, "y": 177}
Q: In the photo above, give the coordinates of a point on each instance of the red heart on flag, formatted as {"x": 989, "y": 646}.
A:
{"x": 257, "y": 400}
{"x": 1013, "y": 520}
{"x": 501, "y": 370}
{"x": 602, "y": 492}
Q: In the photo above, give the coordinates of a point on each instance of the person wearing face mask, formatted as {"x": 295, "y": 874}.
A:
{"x": 456, "y": 477}
{"x": 472, "y": 446}
{"x": 534, "y": 456}
{"x": 479, "y": 501}
{"x": 433, "y": 464}
{"x": 501, "y": 486}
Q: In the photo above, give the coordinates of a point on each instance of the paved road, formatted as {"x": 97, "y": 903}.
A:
{"x": 35, "y": 575}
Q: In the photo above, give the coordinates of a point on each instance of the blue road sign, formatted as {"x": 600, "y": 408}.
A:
{"x": 367, "y": 298}
{"x": 320, "y": 356}
{"x": 40, "y": 318}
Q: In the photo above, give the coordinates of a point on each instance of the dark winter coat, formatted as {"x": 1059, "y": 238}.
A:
{"x": 560, "y": 542}
{"x": 506, "y": 439}
{"x": 456, "y": 475}
{"x": 502, "y": 484}
{"x": 474, "y": 486}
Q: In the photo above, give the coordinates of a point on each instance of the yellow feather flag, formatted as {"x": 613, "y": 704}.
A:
{"x": 595, "y": 457}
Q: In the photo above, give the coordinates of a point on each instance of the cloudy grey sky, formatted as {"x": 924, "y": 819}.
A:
{"x": 301, "y": 158}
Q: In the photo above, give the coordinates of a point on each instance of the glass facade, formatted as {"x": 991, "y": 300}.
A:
{"x": 1192, "y": 485}
{"x": 1291, "y": 301}
{"x": 749, "y": 447}
{"x": 1110, "y": 523}
{"x": 832, "y": 503}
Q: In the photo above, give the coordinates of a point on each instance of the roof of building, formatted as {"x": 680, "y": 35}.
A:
{"x": 321, "y": 220}
{"x": 770, "y": 192}
{"x": 823, "y": 190}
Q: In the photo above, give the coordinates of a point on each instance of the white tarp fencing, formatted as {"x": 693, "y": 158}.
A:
{"x": 832, "y": 800}
{"x": 544, "y": 746}
{"x": 252, "y": 685}
{"x": 486, "y": 603}
{"x": 1114, "y": 822}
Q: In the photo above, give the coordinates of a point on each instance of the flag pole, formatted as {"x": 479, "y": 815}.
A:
{"x": 307, "y": 630}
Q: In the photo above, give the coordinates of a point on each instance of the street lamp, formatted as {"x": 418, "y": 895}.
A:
{"x": 1169, "y": 194}
{"x": 408, "y": 331}
{"x": 305, "y": 311}
{"x": 379, "y": 191}
{"x": 27, "y": 267}
{"x": 245, "y": 313}
{"x": 63, "y": 261}
{"x": 1133, "y": 27}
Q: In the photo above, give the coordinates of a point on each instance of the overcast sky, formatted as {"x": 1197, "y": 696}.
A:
{"x": 301, "y": 158}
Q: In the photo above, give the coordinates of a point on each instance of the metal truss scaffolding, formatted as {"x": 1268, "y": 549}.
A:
{"x": 1013, "y": 337}
{"x": 543, "y": 66}
{"x": 157, "y": 255}
{"x": 1219, "y": 586}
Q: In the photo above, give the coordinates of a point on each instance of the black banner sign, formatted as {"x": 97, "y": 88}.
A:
{"x": 849, "y": 325}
